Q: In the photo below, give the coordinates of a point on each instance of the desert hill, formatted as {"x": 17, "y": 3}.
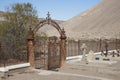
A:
{"x": 100, "y": 21}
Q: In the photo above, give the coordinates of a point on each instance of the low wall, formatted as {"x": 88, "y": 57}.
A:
{"x": 5, "y": 71}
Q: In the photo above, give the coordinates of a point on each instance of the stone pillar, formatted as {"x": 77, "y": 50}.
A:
{"x": 62, "y": 48}
{"x": 30, "y": 48}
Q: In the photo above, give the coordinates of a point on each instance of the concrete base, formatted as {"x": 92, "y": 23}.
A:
{"x": 9, "y": 70}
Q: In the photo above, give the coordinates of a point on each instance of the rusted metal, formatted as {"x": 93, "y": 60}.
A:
{"x": 78, "y": 47}
{"x": 100, "y": 45}
{"x": 106, "y": 48}
{"x": 62, "y": 44}
{"x": 62, "y": 48}
{"x": 116, "y": 44}
{"x": 47, "y": 53}
{"x": 53, "y": 54}
{"x": 41, "y": 54}
{"x": 30, "y": 47}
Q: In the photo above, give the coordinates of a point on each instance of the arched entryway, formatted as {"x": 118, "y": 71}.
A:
{"x": 62, "y": 44}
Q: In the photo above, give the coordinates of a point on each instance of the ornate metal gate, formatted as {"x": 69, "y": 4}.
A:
{"x": 41, "y": 54}
{"x": 47, "y": 53}
{"x": 53, "y": 53}
{"x": 50, "y": 53}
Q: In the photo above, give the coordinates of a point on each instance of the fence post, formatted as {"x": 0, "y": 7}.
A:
{"x": 116, "y": 46}
{"x": 62, "y": 48}
{"x": 100, "y": 45}
{"x": 78, "y": 47}
{"x": 30, "y": 48}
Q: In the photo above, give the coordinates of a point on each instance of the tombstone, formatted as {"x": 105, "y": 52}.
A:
{"x": 90, "y": 56}
{"x": 96, "y": 57}
{"x": 84, "y": 58}
{"x": 113, "y": 54}
{"x": 118, "y": 53}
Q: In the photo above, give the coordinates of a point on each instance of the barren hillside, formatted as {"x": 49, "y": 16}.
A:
{"x": 101, "y": 21}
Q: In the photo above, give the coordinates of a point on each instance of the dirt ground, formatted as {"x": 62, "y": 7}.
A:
{"x": 97, "y": 70}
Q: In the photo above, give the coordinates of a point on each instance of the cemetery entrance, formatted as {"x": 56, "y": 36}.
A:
{"x": 46, "y": 53}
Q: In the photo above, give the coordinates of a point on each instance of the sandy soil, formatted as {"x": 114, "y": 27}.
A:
{"x": 73, "y": 71}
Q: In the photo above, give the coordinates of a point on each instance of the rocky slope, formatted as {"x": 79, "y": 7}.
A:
{"x": 101, "y": 21}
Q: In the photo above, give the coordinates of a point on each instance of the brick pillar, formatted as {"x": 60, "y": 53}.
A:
{"x": 62, "y": 48}
{"x": 30, "y": 48}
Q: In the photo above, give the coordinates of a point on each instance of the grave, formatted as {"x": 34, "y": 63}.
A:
{"x": 84, "y": 57}
{"x": 91, "y": 56}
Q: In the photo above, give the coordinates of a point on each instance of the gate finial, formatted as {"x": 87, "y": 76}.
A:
{"x": 48, "y": 18}
{"x": 48, "y": 15}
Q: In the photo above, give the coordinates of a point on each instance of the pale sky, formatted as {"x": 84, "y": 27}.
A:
{"x": 59, "y": 9}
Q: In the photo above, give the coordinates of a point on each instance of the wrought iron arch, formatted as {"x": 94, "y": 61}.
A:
{"x": 49, "y": 22}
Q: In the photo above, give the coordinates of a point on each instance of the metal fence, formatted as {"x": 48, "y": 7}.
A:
{"x": 11, "y": 53}
{"x": 73, "y": 47}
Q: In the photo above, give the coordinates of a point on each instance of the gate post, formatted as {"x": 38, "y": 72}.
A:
{"x": 30, "y": 48}
{"x": 62, "y": 48}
